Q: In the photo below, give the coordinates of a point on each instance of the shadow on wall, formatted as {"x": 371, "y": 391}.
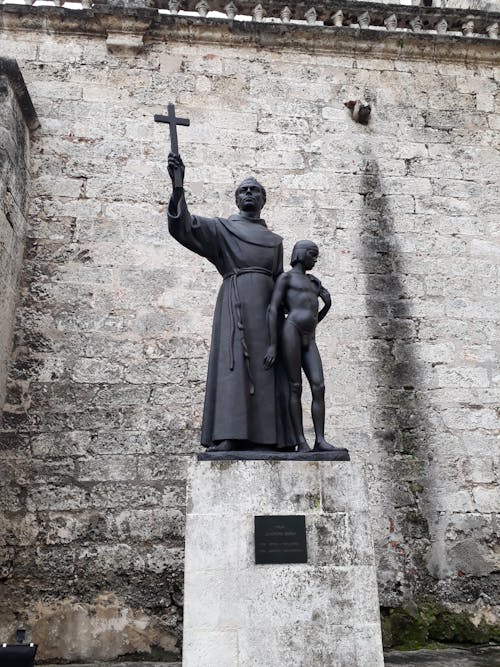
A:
{"x": 399, "y": 421}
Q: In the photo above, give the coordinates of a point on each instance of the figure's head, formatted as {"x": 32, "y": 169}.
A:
{"x": 305, "y": 252}
{"x": 250, "y": 196}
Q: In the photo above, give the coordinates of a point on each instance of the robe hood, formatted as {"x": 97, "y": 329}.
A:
{"x": 251, "y": 232}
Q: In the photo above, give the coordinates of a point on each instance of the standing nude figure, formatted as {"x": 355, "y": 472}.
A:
{"x": 297, "y": 292}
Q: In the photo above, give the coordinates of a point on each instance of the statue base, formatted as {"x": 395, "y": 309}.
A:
{"x": 274, "y": 455}
{"x": 315, "y": 600}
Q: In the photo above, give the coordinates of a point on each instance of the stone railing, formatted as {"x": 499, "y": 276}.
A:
{"x": 350, "y": 13}
{"x": 390, "y": 17}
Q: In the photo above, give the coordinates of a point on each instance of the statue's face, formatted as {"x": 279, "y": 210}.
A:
{"x": 249, "y": 197}
{"x": 309, "y": 257}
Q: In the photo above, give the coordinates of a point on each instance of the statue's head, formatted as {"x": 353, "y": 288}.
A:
{"x": 250, "y": 196}
{"x": 305, "y": 252}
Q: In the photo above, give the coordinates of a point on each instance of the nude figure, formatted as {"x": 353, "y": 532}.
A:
{"x": 297, "y": 293}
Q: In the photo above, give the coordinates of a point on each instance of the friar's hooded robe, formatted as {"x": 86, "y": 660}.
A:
{"x": 240, "y": 398}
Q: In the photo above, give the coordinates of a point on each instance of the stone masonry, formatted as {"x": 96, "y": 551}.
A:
{"x": 324, "y": 612}
{"x": 17, "y": 116}
{"x": 111, "y": 333}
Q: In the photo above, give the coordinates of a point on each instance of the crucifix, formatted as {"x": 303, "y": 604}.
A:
{"x": 173, "y": 121}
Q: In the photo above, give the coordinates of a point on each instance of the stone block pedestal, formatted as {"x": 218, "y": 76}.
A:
{"x": 323, "y": 613}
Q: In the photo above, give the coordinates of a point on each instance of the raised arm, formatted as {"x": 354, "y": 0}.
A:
{"x": 324, "y": 295}
{"x": 193, "y": 232}
{"x": 176, "y": 165}
{"x": 272, "y": 318}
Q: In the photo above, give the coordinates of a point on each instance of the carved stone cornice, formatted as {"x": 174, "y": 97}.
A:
{"x": 351, "y": 27}
{"x": 125, "y": 31}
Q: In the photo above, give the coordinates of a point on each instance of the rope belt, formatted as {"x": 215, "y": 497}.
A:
{"x": 236, "y": 318}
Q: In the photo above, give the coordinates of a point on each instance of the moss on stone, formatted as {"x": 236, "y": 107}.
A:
{"x": 428, "y": 624}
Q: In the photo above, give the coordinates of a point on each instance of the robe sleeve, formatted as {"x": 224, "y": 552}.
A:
{"x": 278, "y": 268}
{"x": 193, "y": 232}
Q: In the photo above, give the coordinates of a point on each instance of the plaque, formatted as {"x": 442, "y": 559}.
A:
{"x": 280, "y": 539}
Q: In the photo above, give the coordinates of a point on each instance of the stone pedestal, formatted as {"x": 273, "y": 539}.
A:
{"x": 321, "y": 613}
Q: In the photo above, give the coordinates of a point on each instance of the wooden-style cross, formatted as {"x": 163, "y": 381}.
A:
{"x": 173, "y": 121}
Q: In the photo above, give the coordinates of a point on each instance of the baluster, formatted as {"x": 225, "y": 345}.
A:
{"x": 492, "y": 30}
{"x": 231, "y": 10}
{"x": 364, "y": 20}
{"x": 285, "y": 14}
{"x": 258, "y": 12}
{"x": 468, "y": 26}
{"x": 202, "y": 8}
{"x": 416, "y": 24}
{"x": 391, "y": 22}
{"x": 338, "y": 19}
{"x": 311, "y": 15}
{"x": 442, "y": 26}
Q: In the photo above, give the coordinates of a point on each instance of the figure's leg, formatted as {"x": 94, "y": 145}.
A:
{"x": 291, "y": 345}
{"x": 313, "y": 369}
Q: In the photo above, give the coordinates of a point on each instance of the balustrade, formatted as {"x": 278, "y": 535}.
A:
{"x": 361, "y": 15}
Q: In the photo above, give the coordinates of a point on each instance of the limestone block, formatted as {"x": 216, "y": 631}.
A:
{"x": 241, "y": 614}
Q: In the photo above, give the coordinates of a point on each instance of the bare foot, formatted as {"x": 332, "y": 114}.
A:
{"x": 303, "y": 446}
{"x": 321, "y": 445}
{"x": 223, "y": 446}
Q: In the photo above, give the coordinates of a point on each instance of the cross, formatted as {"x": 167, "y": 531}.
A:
{"x": 173, "y": 121}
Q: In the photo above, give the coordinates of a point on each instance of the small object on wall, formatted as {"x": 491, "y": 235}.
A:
{"x": 360, "y": 111}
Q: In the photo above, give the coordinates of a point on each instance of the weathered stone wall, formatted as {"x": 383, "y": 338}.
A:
{"x": 111, "y": 337}
{"x": 16, "y": 116}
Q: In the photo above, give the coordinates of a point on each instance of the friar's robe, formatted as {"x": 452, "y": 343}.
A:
{"x": 240, "y": 397}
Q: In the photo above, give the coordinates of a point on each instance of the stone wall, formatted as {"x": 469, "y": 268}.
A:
{"x": 111, "y": 336}
{"x": 16, "y": 117}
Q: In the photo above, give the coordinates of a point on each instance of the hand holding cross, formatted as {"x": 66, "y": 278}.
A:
{"x": 173, "y": 121}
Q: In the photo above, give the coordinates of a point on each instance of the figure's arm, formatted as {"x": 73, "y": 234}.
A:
{"x": 193, "y": 232}
{"x": 175, "y": 164}
{"x": 324, "y": 295}
{"x": 272, "y": 318}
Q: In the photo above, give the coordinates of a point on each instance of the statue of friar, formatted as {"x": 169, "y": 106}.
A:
{"x": 240, "y": 401}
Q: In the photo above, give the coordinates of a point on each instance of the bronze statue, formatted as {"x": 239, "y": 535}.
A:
{"x": 240, "y": 406}
{"x": 297, "y": 292}
{"x": 253, "y": 391}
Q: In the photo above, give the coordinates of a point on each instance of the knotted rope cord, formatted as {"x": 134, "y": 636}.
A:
{"x": 236, "y": 318}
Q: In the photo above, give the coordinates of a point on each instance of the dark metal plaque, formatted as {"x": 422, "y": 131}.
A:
{"x": 280, "y": 539}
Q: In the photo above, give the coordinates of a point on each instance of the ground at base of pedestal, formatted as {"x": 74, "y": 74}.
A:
{"x": 483, "y": 657}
